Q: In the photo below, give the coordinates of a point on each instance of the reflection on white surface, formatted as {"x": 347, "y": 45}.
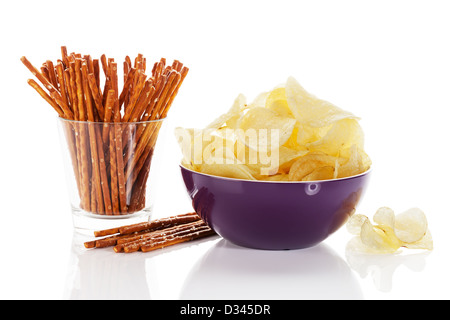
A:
{"x": 381, "y": 267}
{"x": 227, "y": 271}
{"x": 104, "y": 274}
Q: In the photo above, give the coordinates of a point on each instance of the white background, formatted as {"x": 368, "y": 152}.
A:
{"x": 385, "y": 61}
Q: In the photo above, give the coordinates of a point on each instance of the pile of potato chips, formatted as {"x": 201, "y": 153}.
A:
{"x": 390, "y": 232}
{"x": 286, "y": 134}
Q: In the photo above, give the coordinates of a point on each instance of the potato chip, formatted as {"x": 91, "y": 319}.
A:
{"x": 235, "y": 171}
{"x": 263, "y": 129}
{"x": 277, "y": 177}
{"x": 385, "y": 216}
{"x": 379, "y": 238}
{"x": 355, "y": 223}
{"x": 411, "y": 225}
{"x": 391, "y": 232}
{"x": 321, "y": 173}
{"x": 276, "y": 101}
{"x": 425, "y": 243}
{"x": 354, "y": 164}
{"x": 342, "y": 135}
{"x": 231, "y": 116}
{"x": 307, "y": 164}
{"x": 310, "y": 110}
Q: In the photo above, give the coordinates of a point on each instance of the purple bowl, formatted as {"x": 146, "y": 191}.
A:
{"x": 270, "y": 214}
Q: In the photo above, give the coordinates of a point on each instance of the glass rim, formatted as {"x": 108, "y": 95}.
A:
{"x": 111, "y": 123}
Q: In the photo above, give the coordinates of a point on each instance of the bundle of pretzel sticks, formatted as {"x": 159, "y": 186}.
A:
{"x": 152, "y": 235}
{"x": 111, "y": 132}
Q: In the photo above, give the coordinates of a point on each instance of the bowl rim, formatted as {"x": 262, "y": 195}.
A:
{"x": 368, "y": 171}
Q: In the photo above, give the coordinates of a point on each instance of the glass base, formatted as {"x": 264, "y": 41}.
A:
{"x": 86, "y": 223}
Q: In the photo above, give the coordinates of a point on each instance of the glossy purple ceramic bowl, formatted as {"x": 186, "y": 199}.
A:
{"x": 274, "y": 215}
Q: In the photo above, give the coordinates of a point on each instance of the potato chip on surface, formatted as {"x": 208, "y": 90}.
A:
{"x": 390, "y": 232}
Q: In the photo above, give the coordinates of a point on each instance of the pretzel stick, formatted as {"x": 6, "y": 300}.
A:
{"x": 142, "y": 102}
{"x": 126, "y": 87}
{"x": 140, "y": 82}
{"x": 133, "y": 243}
{"x": 68, "y": 89}
{"x": 103, "y": 172}
{"x": 170, "y": 241}
{"x": 64, "y": 57}
{"x": 73, "y": 89}
{"x": 96, "y": 95}
{"x": 96, "y": 180}
{"x": 51, "y": 73}
{"x": 118, "y": 140}
{"x": 39, "y": 76}
{"x": 152, "y": 233}
{"x": 110, "y": 101}
{"x": 159, "y": 223}
{"x": 113, "y": 234}
{"x": 137, "y": 199}
{"x": 46, "y": 97}
{"x": 85, "y": 192}
{"x": 97, "y": 75}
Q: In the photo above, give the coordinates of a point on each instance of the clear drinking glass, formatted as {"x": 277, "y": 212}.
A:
{"x": 111, "y": 170}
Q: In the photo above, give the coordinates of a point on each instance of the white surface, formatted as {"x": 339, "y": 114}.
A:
{"x": 386, "y": 61}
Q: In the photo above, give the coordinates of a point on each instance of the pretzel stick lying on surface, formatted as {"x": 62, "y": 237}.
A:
{"x": 148, "y": 236}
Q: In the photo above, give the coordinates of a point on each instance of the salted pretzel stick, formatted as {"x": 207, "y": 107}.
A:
{"x": 118, "y": 140}
{"x": 126, "y": 86}
{"x": 44, "y": 71}
{"x": 133, "y": 243}
{"x": 68, "y": 89}
{"x": 97, "y": 74}
{"x": 103, "y": 172}
{"x": 52, "y": 74}
{"x": 107, "y": 84}
{"x": 96, "y": 95}
{"x": 204, "y": 232}
{"x": 109, "y": 106}
{"x": 96, "y": 180}
{"x": 184, "y": 71}
{"x": 110, "y": 101}
{"x": 85, "y": 168}
{"x": 140, "y": 82}
{"x": 38, "y": 75}
{"x": 137, "y": 199}
{"x": 63, "y": 88}
{"x": 64, "y": 56}
{"x": 159, "y": 223}
{"x": 113, "y": 172}
{"x": 46, "y": 97}
{"x": 157, "y": 239}
{"x": 144, "y": 99}
{"x": 153, "y": 233}
{"x": 133, "y": 229}
{"x": 73, "y": 89}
